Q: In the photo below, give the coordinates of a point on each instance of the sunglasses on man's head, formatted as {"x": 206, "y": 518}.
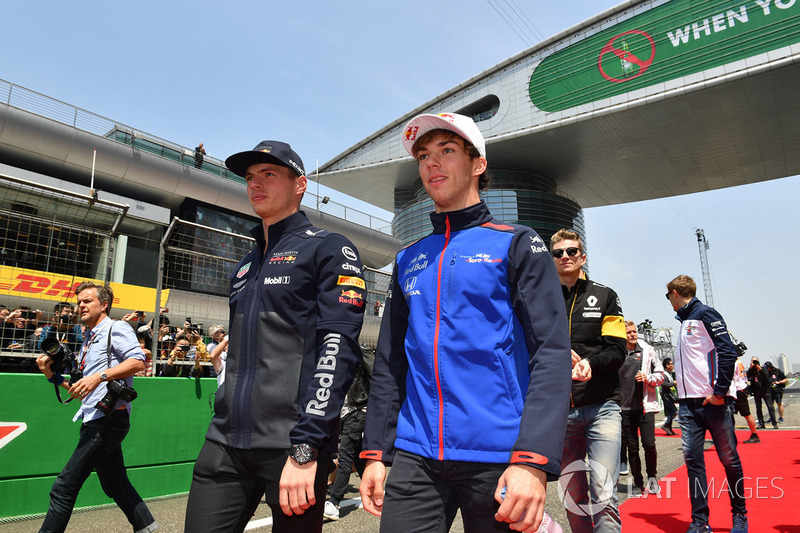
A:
{"x": 571, "y": 252}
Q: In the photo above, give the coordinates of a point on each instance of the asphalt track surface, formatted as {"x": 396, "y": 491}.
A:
{"x": 170, "y": 512}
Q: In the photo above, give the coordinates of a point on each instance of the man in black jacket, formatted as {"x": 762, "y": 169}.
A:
{"x": 594, "y": 424}
{"x": 761, "y": 387}
{"x": 296, "y": 309}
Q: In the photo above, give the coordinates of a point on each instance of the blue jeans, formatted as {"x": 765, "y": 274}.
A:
{"x": 99, "y": 449}
{"x": 593, "y": 433}
{"x": 695, "y": 419}
{"x": 670, "y": 411}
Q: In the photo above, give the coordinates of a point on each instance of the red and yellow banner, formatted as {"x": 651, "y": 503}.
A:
{"x": 38, "y": 285}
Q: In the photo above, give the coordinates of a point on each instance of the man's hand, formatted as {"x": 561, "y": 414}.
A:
{"x": 297, "y": 487}
{"x": 523, "y": 505}
{"x": 371, "y": 488}
{"x": 713, "y": 400}
{"x": 640, "y": 376}
{"x": 83, "y": 387}
{"x": 575, "y": 358}
{"x": 44, "y": 362}
{"x": 582, "y": 371}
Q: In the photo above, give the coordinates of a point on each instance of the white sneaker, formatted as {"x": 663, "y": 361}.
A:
{"x": 331, "y": 512}
{"x": 623, "y": 469}
{"x": 652, "y": 486}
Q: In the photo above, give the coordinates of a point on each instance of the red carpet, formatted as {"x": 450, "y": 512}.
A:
{"x": 772, "y": 482}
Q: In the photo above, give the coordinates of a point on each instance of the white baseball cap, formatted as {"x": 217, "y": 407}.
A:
{"x": 459, "y": 124}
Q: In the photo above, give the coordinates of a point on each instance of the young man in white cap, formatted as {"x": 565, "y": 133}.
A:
{"x": 295, "y": 318}
{"x": 470, "y": 389}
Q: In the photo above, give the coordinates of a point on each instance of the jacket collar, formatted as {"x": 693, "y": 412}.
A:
{"x": 469, "y": 217}
{"x": 683, "y": 312}
{"x": 293, "y": 222}
{"x": 578, "y": 288}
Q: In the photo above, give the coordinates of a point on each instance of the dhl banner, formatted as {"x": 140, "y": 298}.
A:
{"x": 47, "y": 286}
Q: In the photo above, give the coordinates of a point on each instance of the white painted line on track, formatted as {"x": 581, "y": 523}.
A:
{"x": 264, "y": 522}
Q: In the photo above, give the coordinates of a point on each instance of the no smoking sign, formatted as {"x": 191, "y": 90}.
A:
{"x": 618, "y": 63}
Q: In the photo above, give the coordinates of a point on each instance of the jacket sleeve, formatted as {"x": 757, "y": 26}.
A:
{"x": 340, "y": 300}
{"x": 612, "y": 337}
{"x": 726, "y": 352}
{"x": 539, "y": 305}
{"x": 387, "y": 390}
{"x": 655, "y": 375}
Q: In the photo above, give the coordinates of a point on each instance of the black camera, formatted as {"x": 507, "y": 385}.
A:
{"x": 117, "y": 390}
{"x": 61, "y": 356}
{"x": 64, "y": 319}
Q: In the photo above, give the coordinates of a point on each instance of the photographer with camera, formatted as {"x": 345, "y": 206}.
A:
{"x": 761, "y": 388}
{"x": 101, "y": 378}
{"x": 63, "y": 328}
{"x": 188, "y": 347}
{"x": 21, "y": 325}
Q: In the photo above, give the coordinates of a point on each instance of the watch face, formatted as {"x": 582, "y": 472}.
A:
{"x": 303, "y": 453}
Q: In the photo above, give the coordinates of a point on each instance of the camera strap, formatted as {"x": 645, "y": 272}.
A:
{"x": 58, "y": 394}
{"x": 108, "y": 343}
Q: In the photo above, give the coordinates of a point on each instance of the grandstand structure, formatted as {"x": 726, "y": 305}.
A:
{"x": 649, "y": 99}
{"x": 85, "y": 197}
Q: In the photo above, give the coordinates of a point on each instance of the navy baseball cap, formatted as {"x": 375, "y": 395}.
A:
{"x": 276, "y": 152}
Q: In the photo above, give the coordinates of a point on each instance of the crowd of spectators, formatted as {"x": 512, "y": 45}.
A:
{"x": 180, "y": 350}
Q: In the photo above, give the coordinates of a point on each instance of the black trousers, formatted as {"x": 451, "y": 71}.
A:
{"x": 227, "y": 485}
{"x": 766, "y": 397}
{"x": 423, "y": 495}
{"x": 349, "y": 447}
{"x": 635, "y": 421}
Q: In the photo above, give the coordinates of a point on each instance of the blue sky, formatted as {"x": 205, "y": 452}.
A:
{"x": 324, "y": 75}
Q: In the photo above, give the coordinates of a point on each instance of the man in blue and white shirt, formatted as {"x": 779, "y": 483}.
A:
{"x": 108, "y": 353}
{"x": 704, "y": 365}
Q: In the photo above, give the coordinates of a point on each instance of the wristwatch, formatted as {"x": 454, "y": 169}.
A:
{"x": 103, "y": 376}
{"x": 303, "y": 453}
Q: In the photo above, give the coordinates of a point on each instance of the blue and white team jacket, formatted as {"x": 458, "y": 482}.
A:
{"x": 473, "y": 359}
{"x": 705, "y": 356}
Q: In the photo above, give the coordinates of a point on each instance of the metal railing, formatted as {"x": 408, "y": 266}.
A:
{"x": 27, "y": 100}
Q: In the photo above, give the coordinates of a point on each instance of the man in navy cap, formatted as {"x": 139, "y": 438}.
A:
{"x": 296, "y": 309}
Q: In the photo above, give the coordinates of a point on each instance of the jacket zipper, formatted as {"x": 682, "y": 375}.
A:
{"x": 436, "y": 338}
{"x": 571, "y": 309}
{"x": 680, "y": 354}
{"x": 251, "y": 329}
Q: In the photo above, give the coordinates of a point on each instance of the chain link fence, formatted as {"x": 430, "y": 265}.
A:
{"x": 51, "y": 240}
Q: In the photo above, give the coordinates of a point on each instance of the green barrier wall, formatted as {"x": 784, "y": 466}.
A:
{"x": 168, "y": 425}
